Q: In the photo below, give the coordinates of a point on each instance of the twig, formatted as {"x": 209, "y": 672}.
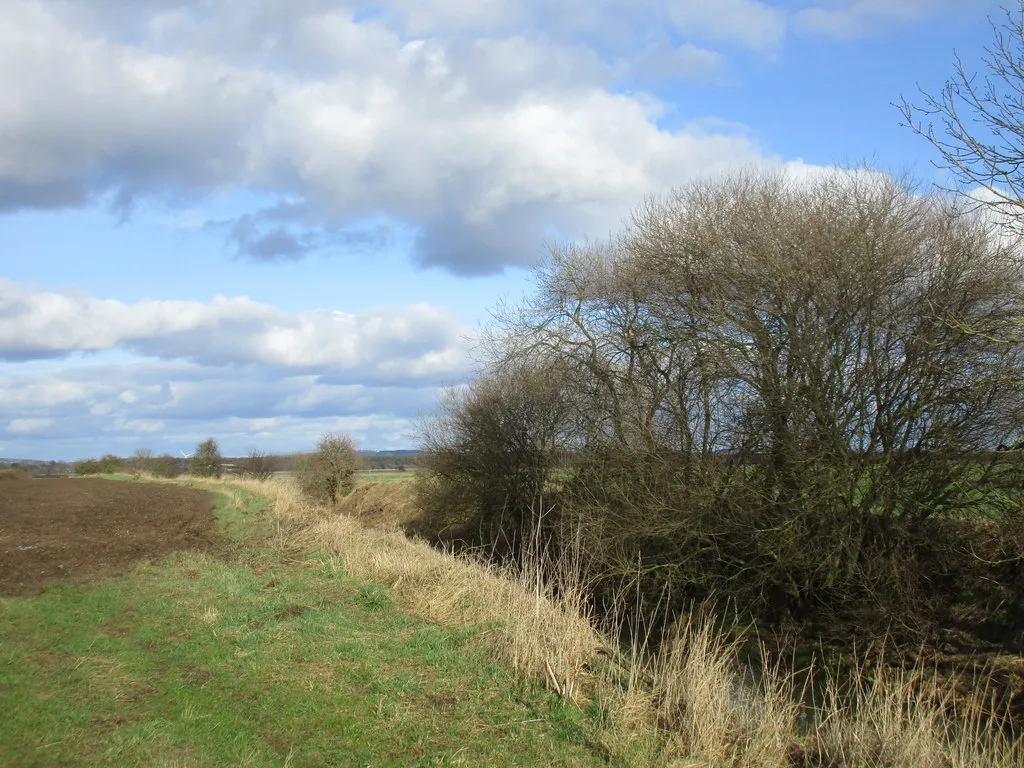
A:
{"x": 554, "y": 680}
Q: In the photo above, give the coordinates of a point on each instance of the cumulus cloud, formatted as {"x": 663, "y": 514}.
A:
{"x": 482, "y": 125}
{"x": 392, "y": 345}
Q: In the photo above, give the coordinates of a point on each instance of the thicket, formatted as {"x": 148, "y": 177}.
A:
{"x": 784, "y": 395}
{"x": 489, "y": 457}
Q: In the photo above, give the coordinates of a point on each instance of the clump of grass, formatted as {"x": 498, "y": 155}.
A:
{"x": 542, "y": 632}
{"x": 891, "y": 715}
{"x": 715, "y": 711}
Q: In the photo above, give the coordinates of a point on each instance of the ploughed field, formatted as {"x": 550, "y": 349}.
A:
{"x": 74, "y": 530}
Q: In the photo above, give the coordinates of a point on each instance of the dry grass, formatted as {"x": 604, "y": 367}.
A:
{"x": 913, "y": 717}
{"x": 690, "y": 703}
{"x": 715, "y": 712}
{"x": 389, "y": 505}
{"x": 541, "y": 635}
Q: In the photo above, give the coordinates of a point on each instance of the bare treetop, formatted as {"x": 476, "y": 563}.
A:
{"x": 976, "y": 122}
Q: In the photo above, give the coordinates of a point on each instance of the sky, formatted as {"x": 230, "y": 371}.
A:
{"x": 264, "y": 220}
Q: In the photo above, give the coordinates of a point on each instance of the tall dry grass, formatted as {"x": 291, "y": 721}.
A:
{"x": 690, "y": 702}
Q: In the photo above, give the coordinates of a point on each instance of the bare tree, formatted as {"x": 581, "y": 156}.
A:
{"x": 328, "y": 473}
{"x": 977, "y": 122}
{"x": 259, "y": 465}
{"x": 141, "y": 460}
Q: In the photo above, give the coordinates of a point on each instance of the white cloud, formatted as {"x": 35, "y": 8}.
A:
{"x": 400, "y": 345}
{"x": 178, "y": 404}
{"x": 484, "y": 125}
{"x": 245, "y": 372}
{"x": 134, "y": 425}
{"x": 46, "y": 391}
{"x": 27, "y": 426}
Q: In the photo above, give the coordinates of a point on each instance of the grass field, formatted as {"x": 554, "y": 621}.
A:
{"x": 261, "y": 656}
{"x": 310, "y": 636}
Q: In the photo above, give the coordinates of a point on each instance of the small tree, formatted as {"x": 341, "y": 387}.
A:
{"x": 259, "y": 465}
{"x": 329, "y": 473}
{"x": 206, "y": 461}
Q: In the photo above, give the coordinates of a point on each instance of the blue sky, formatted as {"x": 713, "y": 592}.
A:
{"x": 260, "y": 220}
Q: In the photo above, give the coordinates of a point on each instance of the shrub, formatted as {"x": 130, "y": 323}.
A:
{"x": 206, "y": 460}
{"x": 328, "y": 473}
{"x": 141, "y": 460}
{"x": 489, "y": 456}
{"x": 163, "y": 466}
{"x": 108, "y": 465}
{"x": 258, "y": 465}
{"x": 12, "y": 474}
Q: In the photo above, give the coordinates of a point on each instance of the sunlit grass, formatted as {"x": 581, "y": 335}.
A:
{"x": 259, "y": 658}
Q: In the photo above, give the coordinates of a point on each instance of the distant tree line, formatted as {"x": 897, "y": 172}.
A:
{"x": 331, "y": 453}
{"x": 37, "y": 468}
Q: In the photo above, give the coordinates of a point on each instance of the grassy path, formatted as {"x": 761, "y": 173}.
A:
{"x": 258, "y": 658}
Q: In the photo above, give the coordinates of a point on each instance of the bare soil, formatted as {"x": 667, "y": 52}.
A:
{"x": 75, "y": 530}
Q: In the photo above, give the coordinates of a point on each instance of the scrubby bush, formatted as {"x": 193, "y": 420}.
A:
{"x": 165, "y": 466}
{"x": 258, "y": 465}
{"x": 206, "y": 460}
{"x": 328, "y": 473}
{"x": 141, "y": 460}
{"x": 489, "y": 455}
{"x": 108, "y": 465}
{"x": 7, "y": 473}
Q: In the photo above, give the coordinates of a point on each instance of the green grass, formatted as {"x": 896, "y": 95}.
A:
{"x": 263, "y": 658}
